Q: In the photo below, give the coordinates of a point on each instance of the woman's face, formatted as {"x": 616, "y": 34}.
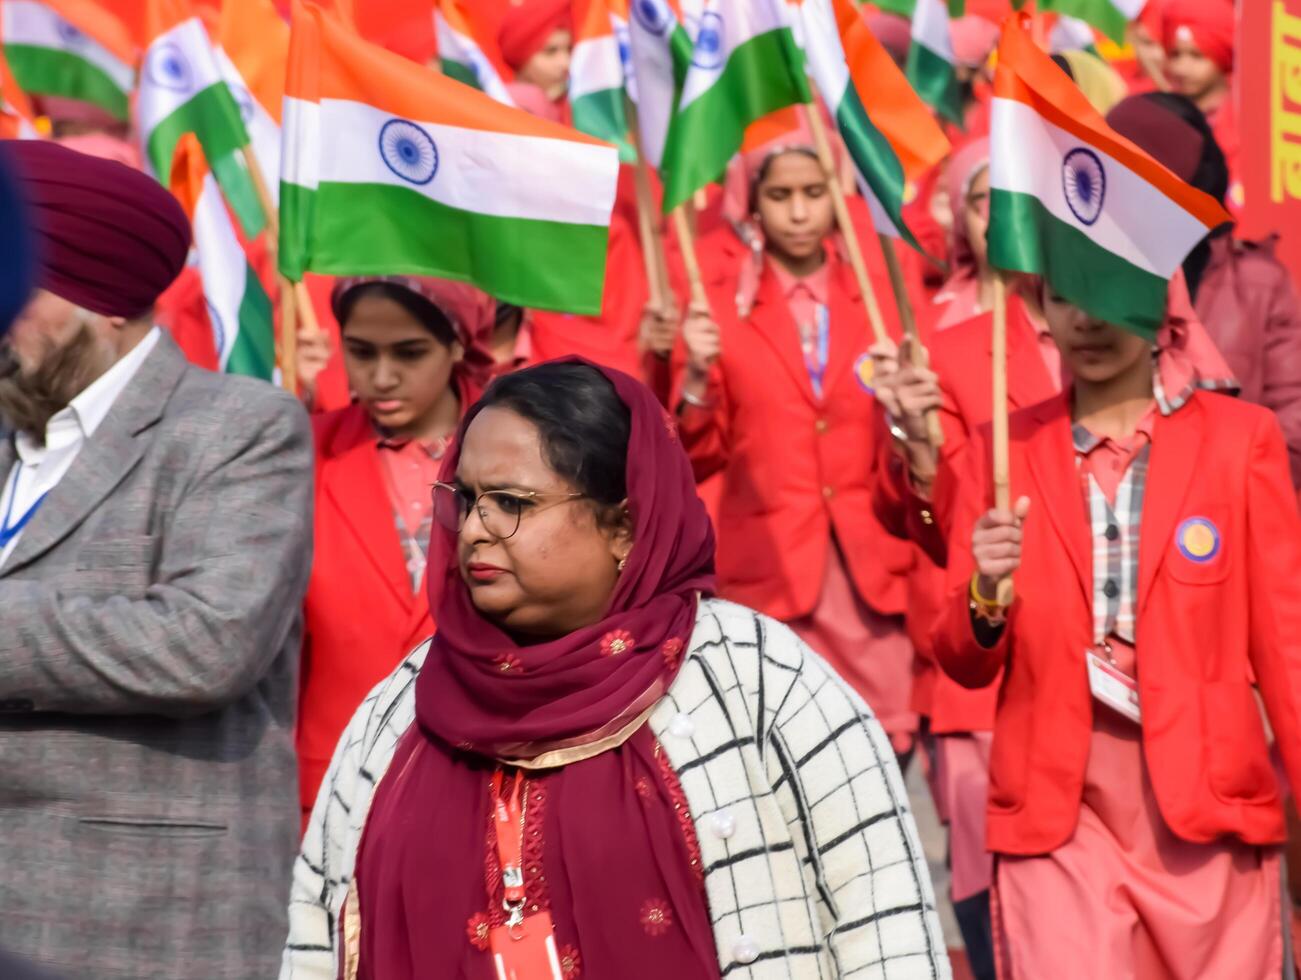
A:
{"x": 548, "y": 69}
{"x": 794, "y": 205}
{"x": 396, "y": 367}
{"x": 1095, "y": 351}
{"x": 1192, "y": 74}
{"x": 557, "y": 572}
{"x": 975, "y": 216}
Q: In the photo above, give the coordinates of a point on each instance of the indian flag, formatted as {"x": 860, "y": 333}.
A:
{"x": 1109, "y": 16}
{"x": 17, "y": 120}
{"x": 891, "y": 135}
{"x": 745, "y": 64}
{"x": 182, "y": 91}
{"x": 239, "y": 310}
{"x": 392, "y": 168}
{"x": 463, "y": 56}
{"x": 1074, "y": 202}
{"x": 596, "y": 77}
{"x": 930, "y": 65}
{"x": 69, "y": 48}
{"x": 252, "y": 56}
{"x": 660, "y": 51}
{"x": 1070, "y": 34}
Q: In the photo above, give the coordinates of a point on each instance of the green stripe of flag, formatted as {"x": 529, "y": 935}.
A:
{"x": 935, "y": 81}
{"x": 764, "y": 74}
{"x": 875, "y": 159}
{"x": 1025, "y": 237}
{"x": 1099, "y": 13}
{"x": 459, "y": 71}
{"x": 376, "y": 229}
{"x": 254, "y": 352}
{"x": 213, "y": 116}
{"x": 48, "y": 71}
{"x": 601, "y": 114}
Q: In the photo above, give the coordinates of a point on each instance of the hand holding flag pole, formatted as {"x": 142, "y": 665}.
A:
{"x": 917, "y": 352}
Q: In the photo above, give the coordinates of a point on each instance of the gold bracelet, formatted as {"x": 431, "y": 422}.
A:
{"x": 990, "y": 610}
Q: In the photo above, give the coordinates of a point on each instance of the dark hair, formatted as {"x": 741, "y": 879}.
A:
{"x": 585, "y": 426}
{"x": 426, "y": 313}
{"x": 762, "y": 173}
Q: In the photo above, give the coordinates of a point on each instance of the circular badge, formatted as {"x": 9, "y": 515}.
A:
{"x": 1085, "y": 184}
{"x": 408, "y": 151}
{"x": 1198, "y": 540}
{"x": 218, "y": 329}
{"x": 865, "y": 373}
{"x": 653, "y": 15}
{"x": 167, "y": 67}
{"x": 708, "y": 53}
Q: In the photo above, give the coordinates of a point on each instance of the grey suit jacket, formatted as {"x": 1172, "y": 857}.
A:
{"x": 149, "y": 637}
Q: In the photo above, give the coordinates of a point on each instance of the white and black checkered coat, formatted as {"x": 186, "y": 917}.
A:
{"x": 812, "y": 863}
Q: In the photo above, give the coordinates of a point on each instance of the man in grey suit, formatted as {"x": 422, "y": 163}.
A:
{"x": 155, "y": 525}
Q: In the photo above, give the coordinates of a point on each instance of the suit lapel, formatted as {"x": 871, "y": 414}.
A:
{"x": 772, "y": 321}
{"x": 106, "y": 458}
{"x": 354, "y": 486}
{"x": 1050, "y": 458}
{"x": 1176, "y": 441}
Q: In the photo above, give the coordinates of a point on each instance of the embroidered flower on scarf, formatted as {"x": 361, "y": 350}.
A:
{"x": 643, "y": 787}
{"x": 656, "y": 917}
{"x": 508, "y": 663}
{"x": 571, "y": 964}
{"x": 477, "y": 929}
{"x": 670, "y": 426}
{"x": 672, "y": 651}
{"x": 616, "y": 642}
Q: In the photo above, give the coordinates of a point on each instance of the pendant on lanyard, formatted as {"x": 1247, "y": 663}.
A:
{"x": 525, "y": 947}
{"x": 10, "y": 531}
{"x": 816, "y": 345}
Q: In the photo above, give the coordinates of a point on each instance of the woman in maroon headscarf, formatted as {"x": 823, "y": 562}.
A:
{"x": 593, "y": 769}
{"x": 414, "y": 364}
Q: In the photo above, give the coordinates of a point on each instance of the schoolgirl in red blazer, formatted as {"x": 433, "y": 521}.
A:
{"x": 1157, "y": 553}
{"x": 414, "y": 361}
{"x": 776, "y": 396}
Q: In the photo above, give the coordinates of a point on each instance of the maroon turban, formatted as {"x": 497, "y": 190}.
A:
{"x": 1157, "y": 131}
{"x": 527, "y": 27}
{"x": 108, "y": 238}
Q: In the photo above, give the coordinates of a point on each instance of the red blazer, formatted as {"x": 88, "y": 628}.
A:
{"x": 794, "y": 468}
{"x": 361, "y": 616}
{"x": 1203, "y": 627}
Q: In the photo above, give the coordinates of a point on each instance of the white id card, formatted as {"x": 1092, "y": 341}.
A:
{"x": 1113, "y": 687}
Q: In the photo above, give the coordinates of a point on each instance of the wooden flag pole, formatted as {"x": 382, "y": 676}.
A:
{"x": 1002, "y": 478}
{"x": 652, "y": 242}
{"x": 841, "y": 208}
{"x": 917, "y": 352}
{"x": 688, "y": 242}
{"x": 263, "y": 195}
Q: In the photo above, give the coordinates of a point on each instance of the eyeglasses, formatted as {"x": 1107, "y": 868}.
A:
{"x": 500, "y": 510}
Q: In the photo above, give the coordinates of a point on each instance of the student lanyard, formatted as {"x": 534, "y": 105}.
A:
{"x": 9, "y": 531}
{"x": 509, "y": 815}
{"x": 815, "y": 343}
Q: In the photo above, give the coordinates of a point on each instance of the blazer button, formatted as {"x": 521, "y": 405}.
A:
{"x": 821, "y": 426}
{"x": 828, "y": 492}
{"x": 927, "y": 517}
{"x": 16, "y": 705}
{"x": 723, "y": 824}
{"x": 746, "y": 950}
{"x": 1110, "y": 589}
{"x": 682, "y": 726}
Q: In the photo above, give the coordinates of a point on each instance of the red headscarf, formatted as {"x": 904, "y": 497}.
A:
{"x": 526, "y": 28}
{"x": 620, "y": 885}
{"x": 1210, "y": 22}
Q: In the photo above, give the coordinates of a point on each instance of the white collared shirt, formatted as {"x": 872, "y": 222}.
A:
{"x": 39, "y": 469}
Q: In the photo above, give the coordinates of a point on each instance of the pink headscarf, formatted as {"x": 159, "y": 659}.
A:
{"x": 105, "y": 147}
{"x": 534, "y": 101}
{"x": 964, "y": 167}
{"x": 1187, "y": 358}
{"x": 974, "y": 39}
{"x": 470, "y": 311}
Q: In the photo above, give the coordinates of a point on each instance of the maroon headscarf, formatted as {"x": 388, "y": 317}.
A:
{"x": 614, "y": 857}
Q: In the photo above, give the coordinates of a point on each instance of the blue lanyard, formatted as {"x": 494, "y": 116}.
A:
{"x": 816, "y": 347}
{"x": 10, "y": 531}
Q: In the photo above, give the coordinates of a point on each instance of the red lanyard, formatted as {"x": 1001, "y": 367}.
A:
{"x": 509, "y": 816}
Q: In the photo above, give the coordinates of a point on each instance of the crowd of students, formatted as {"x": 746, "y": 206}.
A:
{"x": 1109, "y": 748}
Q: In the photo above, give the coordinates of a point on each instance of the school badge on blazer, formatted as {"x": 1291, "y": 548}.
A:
{"x": 865, "y": 373}
{"x": 1198, "y": 540}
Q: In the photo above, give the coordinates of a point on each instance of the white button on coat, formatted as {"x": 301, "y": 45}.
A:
{"x": 746, "y": 950}
{"x": 723, "y": 824}
{"x": 682, "y": 726}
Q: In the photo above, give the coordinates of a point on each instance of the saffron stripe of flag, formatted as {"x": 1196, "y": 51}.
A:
{"x": 391, "y": 168}
{"x": 1073, "y": 201}
{"x": 744, "y": 65}
{"x": 239, "y": 310}
{"x": 463, "y": 51}
{"x": 182, "y": 91}
{"x": 71, "y": 49}
{"x": 890, "y": 134}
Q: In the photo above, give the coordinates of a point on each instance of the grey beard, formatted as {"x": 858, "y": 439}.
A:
{"x": 28, "y": 400}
